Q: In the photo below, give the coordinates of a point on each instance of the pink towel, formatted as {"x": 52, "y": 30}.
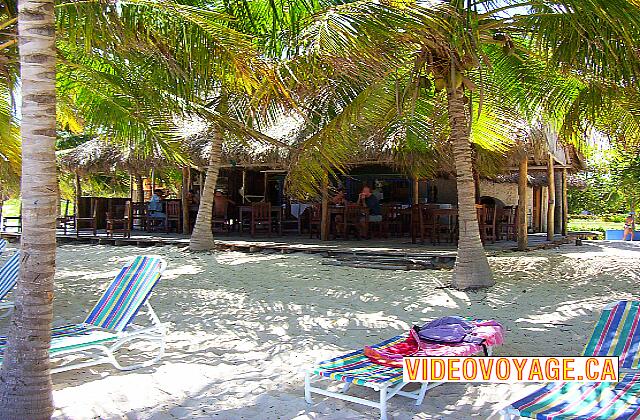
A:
{"x": 392, "y": 356}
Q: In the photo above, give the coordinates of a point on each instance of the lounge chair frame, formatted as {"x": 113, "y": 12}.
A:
{"x": 103, "y": 351}
{"x": 106, "y": 351}
{"x": 386, "y": 391}
{"x": 510, "y": 412}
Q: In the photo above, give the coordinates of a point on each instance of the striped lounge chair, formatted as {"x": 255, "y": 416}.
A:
{"x": 356, "y": 368}
{"x": 617, "y": 333}
{"x": 9, "y": 273}
{"x": 3, "y": 245}
{"x": 109, "y": 324}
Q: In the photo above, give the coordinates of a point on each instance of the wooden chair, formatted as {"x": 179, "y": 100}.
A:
{"x": 13, "y": 221}
{"x": 87, "y": 224}
{"x": 356, "y": 218}
{"x": 291, "y": 223}
{"x": 391, "y": 220}
{"x": 261, "y": 218}
{"x": 138, "y": 216}
{"x": 173, "y": 216}
{"x": 221, "y": 222}
{"x": 66, "y": 221}
{"x": 119, "y": 220}
{"x": 315, "y": 220}
{"x": 446, "y": 225}
{"x": 487, "y": 222}
{"x": 153, "y": 222}
{"x": 423, "y": 224}
{"x": 508, "y": 224}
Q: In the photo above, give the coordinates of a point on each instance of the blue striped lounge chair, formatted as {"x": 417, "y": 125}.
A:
{"x": 3, "y": 245}
{"x": 9, "y": 273}
{"x": 109, "y": 324}
{"x": 357, "y": 369}
{"x": 617, "y": 333}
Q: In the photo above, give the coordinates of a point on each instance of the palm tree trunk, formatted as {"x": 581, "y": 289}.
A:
{"x": 202, "y": 236}
{"x": 551, "y": 190}
{"x": 186, "y": 223}
{"x": 25, "y": 380}
{"x": 472, "y": 267}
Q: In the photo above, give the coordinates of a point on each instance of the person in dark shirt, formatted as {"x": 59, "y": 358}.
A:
{"x": 370, "y": 201}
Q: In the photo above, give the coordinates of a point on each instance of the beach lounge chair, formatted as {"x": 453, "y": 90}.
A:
{"x": 617, "y": 333}
{"x": 8, "y": 278}
{"x": 356, "y": 368}
{"x": 109, "y": 324}
{"x": 3, "y": 245}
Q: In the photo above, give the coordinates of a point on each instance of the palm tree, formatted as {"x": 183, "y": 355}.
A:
{"x": 202, "y": 236}
{"x": 25, "y": 378}
{"x": 492, "y": 67}
{"x": 97, "y": 45}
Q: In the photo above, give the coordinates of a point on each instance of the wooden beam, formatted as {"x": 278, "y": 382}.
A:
{"x": 324, "y": 221}
{"x": 416, "y": 191}
{"x": 523, "y": 204}
{"x": 565, "y": 204}
{"x": 551, "y": 192}
{"x": 539, "y": 167}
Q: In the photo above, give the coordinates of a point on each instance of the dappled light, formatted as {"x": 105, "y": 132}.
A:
{"x": 242, "y": 327}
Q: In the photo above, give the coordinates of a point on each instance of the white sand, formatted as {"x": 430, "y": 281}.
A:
{"x": 243, "y": 326}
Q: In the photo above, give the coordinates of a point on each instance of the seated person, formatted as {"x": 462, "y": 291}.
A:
{"x": 339, "y": 198}
{"x": 155, "y": 205}
{"x": 221, "y": 204}
{"x": 370, "y": 201}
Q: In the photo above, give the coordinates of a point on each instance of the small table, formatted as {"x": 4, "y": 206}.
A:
{"x": 248, "y": 210}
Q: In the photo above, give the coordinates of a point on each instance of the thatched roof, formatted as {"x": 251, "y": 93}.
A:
{"x": 93, "y": 156}
{"x": 98, "y": 156}
{"x": 538, "y": 179}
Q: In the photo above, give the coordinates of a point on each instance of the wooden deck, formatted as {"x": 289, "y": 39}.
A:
{"x": 389, "y": 253}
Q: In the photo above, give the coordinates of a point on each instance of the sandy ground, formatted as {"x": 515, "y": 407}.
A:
{"x": 242, "y": 327}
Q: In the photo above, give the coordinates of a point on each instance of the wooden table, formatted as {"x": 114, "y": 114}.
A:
{"x": 248, "y": 210}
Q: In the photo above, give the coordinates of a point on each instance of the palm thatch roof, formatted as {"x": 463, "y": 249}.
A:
{"x": 93, "y": 156}
{"x": 98, "y": 156}
{"x": 538, "y": 179}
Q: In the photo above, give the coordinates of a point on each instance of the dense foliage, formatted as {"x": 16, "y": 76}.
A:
{"x": 613, "y": 185}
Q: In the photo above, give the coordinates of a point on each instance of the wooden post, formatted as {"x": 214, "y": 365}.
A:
{"x": 153, "y": 180}
{"x": 416, "y": 191}
{"x": 324, "y": 221}
{"x": 523, "y": 203}
{"x": 559, "y": 216}
{"x": 476, "y": 184}
{"x": 78, "y": 195}
{"x": 266, "y": 180}
{"x": 552, "y": 199}
{"x": 185, "y": 200}
{"x": 139, "y": 189}
{"x": 244, "y": 185}
{"x": 565, "y": 204}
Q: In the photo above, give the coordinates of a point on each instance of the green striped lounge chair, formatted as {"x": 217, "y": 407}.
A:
{"x": 109, "y": 325}
{"x": 356, "y": 368}
{"x": 9, "y": 273}
{"x": 617, "y": 333}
